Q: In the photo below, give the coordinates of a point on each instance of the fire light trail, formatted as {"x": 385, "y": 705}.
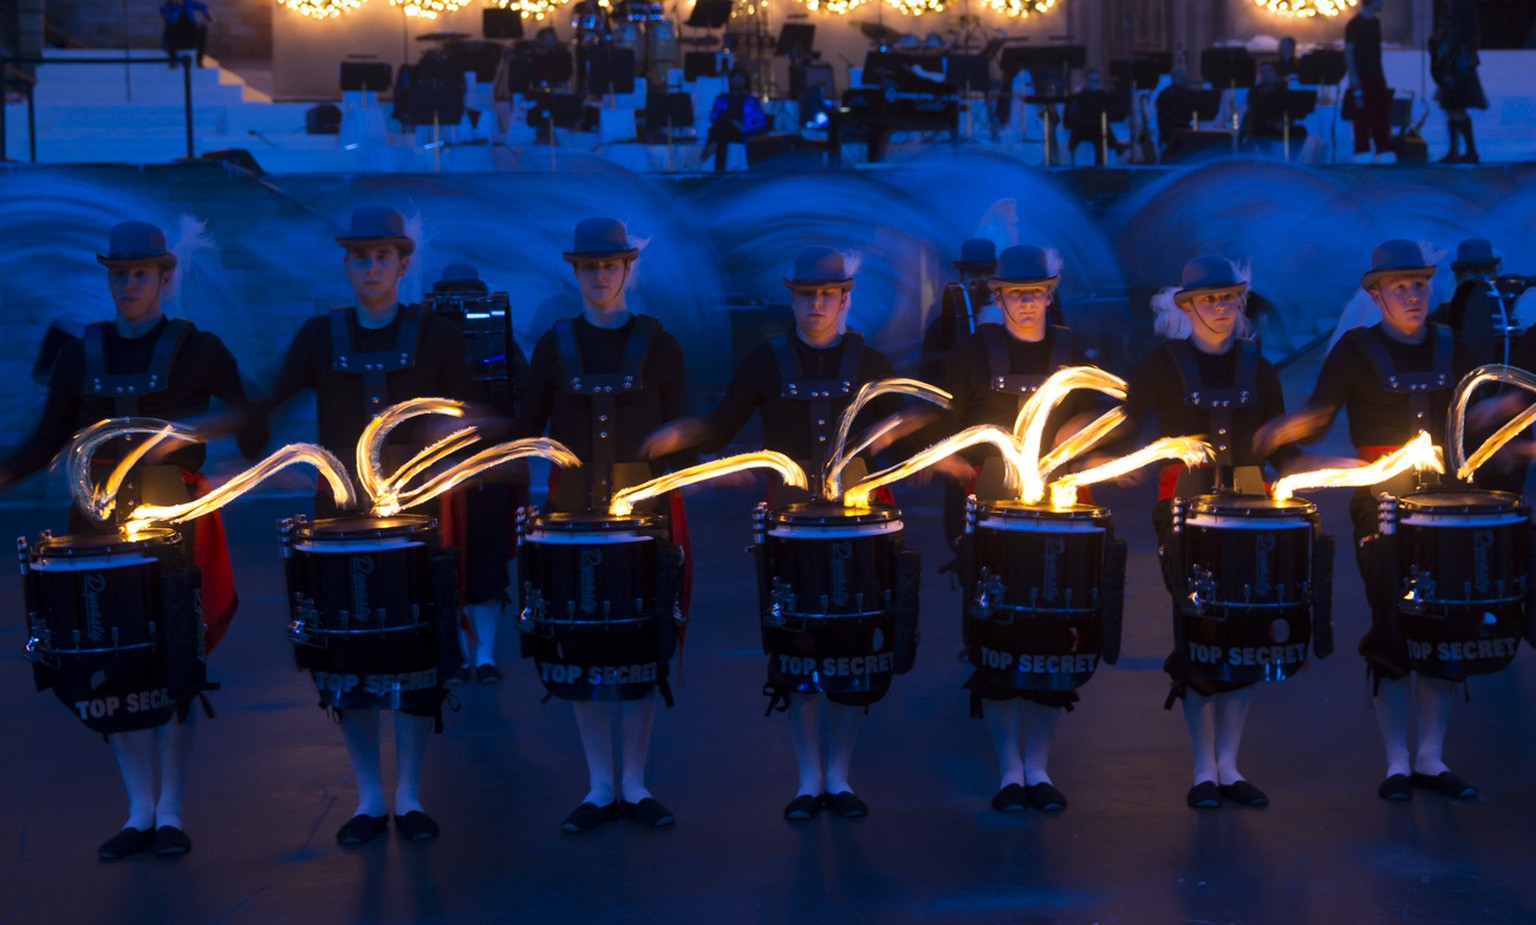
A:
{"x": 1029, "y": 425}
{"x": 99, "y": 502}
{"x": 1419, "y": 453}
{"x": 1493, "y": 372}
{"x": 1014, "y": 461}
{"x": 147, "y": 515}
{"x": 838, "y": 460}
{"x": 624, "y": 501}
{"x": 1080, "y": 442}
{"x": 1188, "y": 450}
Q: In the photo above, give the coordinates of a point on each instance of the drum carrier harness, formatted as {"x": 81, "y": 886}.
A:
{"x": 1021, "y": 385}
{"x": 1219, "y": 404}
{"x": 603, "y": 391}
{"x": 376, "y": 366}
{"x": 1417, "y": 386}
{"x": 818, "y": 394}
{"x": 125, "y": 390}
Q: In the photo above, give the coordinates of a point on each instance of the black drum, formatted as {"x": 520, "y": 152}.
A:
{"x": 598, "y": 595}
{"x": 1245, "y": 605}
{"x": 100, "y": 612}
{"x": 830, "y": 578}
{"x": 1464, "y": 556}
{"x": 1033, "y": 593}
{"x": 363, "y": 610}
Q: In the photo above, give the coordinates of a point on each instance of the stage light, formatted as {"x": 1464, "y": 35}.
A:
{"x": 1306, "y": 9}
{"x": 1020, "y": 9}
{"x": 321, "y": 9}
{"x": 427, "y": 9}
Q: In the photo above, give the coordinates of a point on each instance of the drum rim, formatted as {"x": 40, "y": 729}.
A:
{"x": 1009, "y": 507}
{"x": 397, "y": 525}
{"x": 1504, "y": 502}
{"x": 811, "y": 513}
{"x": 104, "y": 544}
{"x": 1251, "y": 506}
{"x": 579, "y": 520}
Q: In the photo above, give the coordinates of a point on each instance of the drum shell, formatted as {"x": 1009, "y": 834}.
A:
{"x": 1245, "y": 610}
{"x": 1033, "y": 595}
{"x": 1462, "y": 607}
{"x": 590, "y": 614}
{"x": 116, "y": 595}
{"x": 363, "y": 611}
{"x": 830, "y": 626}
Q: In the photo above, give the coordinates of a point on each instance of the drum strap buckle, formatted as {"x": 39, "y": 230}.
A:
{"x": 782, "y": 602}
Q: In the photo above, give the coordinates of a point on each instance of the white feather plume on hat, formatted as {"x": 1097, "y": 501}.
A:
{"x": 192, "y": 238}
{"x": 1053, "y": 261}
{"x": 851, "y": 262}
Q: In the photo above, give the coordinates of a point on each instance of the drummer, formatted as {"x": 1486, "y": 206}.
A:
{"x": 425, "y": 359}
{"x": 1207, "y": 349}
{"x": 1361, "y": 375}
{"x": 606, "y": 338}
{"x": 178, "y": 369}
{"x": 802, "y": 428}
{"x": 960, "y": 307}
{"x": 991, "y": 375}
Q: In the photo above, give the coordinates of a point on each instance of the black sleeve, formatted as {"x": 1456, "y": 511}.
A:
{"x": 1272, "y": 406}
{"x": 743, "y": 396}
{"x": 61, "y": 413}
{"x": 227, "y": 387}
{"x": 539, "y": 398}
{"x": 1333, "y": 387}
{"x": 1524, "y": 354}
{"x": 300, "y": 366}
{"x": 674, "y": 392}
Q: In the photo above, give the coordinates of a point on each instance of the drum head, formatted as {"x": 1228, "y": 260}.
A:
{"x": 832, "y": 513}
{"x": 1462, "y": 501}
{"x": 1018, "y": 510}
{"x": 597, "y": 523}
{"x": 1235, "y": 505}
{"x": 367, "y": 528}
{"x": 106, "y": 544}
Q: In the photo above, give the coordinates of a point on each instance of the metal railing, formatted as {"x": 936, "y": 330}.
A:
{"x": 11, "y": 71}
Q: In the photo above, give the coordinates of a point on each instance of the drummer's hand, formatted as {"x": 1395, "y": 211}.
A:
{"x": 1487, "y": 416}
{"x": 673, "y": 437}
{"x": 1289, "y": 429}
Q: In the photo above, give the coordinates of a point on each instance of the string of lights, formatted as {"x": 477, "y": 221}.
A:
{"x": 1020, "y": 9}
{"x": 1305, "y": 9}
{"x": 321, "y": 9}
{"x": 427, "y": 9}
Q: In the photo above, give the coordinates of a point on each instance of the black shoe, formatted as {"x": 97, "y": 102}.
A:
{"x": 1204, "y": 795}
{"x": 650, "y": 813}
{"x": 847, "y": 806}
{"x": 1470, "y": 158}
{"x": 170, "y": 841}
{"x": 129, "y": 841}
{"x": 458, "y": 678}
{"x": 802, "y": 808}
{"x": 589, "y": 816}
{"x": 1243, "y": 794}
{"x": 1046, "y": 798}
{"x": 361, "y": 829}
{"x": 417, "y": 826}
{"x": 1395, "y": 788}
{"x": 1445, "y": 783}
{"x": 488, "y": 674}
{"x": 1013, "y": 798}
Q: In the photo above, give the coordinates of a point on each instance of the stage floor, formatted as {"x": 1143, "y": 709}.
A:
{"x": 272, "y": 785}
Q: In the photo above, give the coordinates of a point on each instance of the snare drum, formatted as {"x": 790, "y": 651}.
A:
{"x": 363, "y": 612}
{"x": 98, "y": 613}
{"x": 1464, "y": 556}
{"x": 1033, "y": 604}
{"x": 592, "y": 601}
{"x": 1246, "y": 566}
{"x": 830, "y": 573}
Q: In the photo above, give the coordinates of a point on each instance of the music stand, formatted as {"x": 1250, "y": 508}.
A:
{"x": 968, "y": 72}
{"x": 668, "y": 111}
{"x": 1207, "y": 104}
{"x": 1227, "y": 67}
{"x": 1324, "y": 66}
{"x": 499, "y": 23}
{"x": 709, "y": 14}
{"x": 611, "y": 71}
{"x": 1049, "y": 66}
{"x": 698, "y": 64}
{"x": 364, "y": 75}
{"x": 794, "y": 35}
{"x": 1142, "y": 69}
{"x": 1300, "y": 103}
{"x": 562, "y": 110}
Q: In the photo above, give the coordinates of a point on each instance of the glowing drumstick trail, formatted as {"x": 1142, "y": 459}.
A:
{"x": 1516, "y": 426}
{"x": 370, "y": 445}
{"x": 837, "y": 459}
{"x": 1419, "y": 453}
{"x": 1075, "y": 445}
{"x": 1188, "y": 450}
{"x": 1029, "y": 426}
{"x": 99, "y": 502}
{"x": 342, "y": 490}
{"x": 624, "y": 500}
{"x": 858, "y": 495}
{"x": 395, "y": 499}
{"x": 1493, "y": 372}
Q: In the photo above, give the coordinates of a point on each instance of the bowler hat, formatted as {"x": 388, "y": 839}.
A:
{"x": 377, "y": 224}
{"x": 1024, "y": 265}
{"x": 133, "y": 243}
{"x": 460, "y": 277}
{"x": 1474, "y": 253}
{"x": 601, "y": 239}
{"x": 977, "y": 254}
{"x": 1208, "y": 273}
{"x": 820, "y": 268}
{"x": 1398, "y": 257}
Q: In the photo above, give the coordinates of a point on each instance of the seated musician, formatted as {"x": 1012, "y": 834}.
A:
{"x": 1207, "y": 351}
{"x": 1085, "y": 118}
{"x": 990, "y": 376}
{"x": 735, "y": 118}
{"x": 424, "y": 358}
{"x": 1395, "y": 379}
{"x": 1266, "y": 115}
{"x": 1176, "y": 105}
{"x": 960, "y": 307}
{"x": 802, "y": 426}
{"x": 605, "y": 430}
{"x": 174, "y": 371}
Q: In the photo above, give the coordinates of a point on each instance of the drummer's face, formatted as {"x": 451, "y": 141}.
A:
{"x": 1215, "y": 312}
{"x": 137, "y": 290}
{"x": 602, "y": 281}
{"x": 1024, "y": 309}
{"x": 1404, "y": 302}
{"x": 818, "y": 313}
